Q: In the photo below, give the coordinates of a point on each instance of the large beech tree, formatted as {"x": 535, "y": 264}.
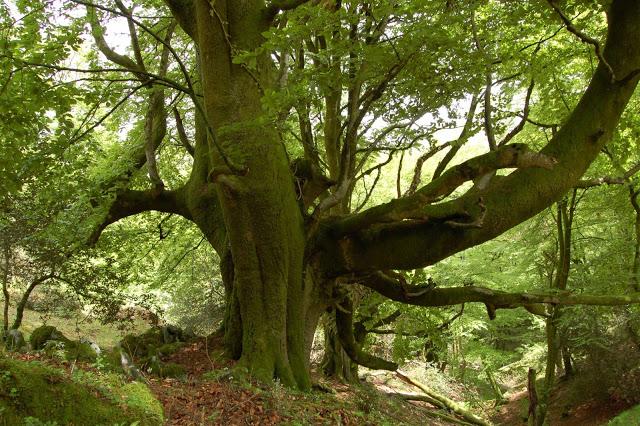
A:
{"x": 285, "y": 107}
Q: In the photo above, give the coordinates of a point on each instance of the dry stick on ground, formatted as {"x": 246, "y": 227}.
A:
{"x": 447, "y": 418}
{"x": 416, "y": 397}
{"x": 428, "y": 412}
{"x": 448, "y": 403}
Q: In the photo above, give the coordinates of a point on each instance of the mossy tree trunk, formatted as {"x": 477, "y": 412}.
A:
{"x": 263, "y": 222}
{"x": 336, "y": 362}
{"x": 634, "y": 193}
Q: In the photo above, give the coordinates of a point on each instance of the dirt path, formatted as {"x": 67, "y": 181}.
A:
{"x": 586, "y": 413}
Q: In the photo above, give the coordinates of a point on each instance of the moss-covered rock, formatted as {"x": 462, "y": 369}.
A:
{"x": 169, "y": 348}
{"x": 70, "y": 350}
{"x": 155, "y": 341}
{"x": 148, "y": 349}
{"x": 31, "y": 389}
{"x": 142, "y": 345}
{"x": 43, "y": 334}
{"x": 139, "y": 398}
{"x": 154, "y": 365}
{"x": 78, "y": 351}
{"x": 168, "y": 369}
{"x": 14, "y": 340}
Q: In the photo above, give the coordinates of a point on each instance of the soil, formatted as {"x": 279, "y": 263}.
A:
{"x": 586, "y": 413}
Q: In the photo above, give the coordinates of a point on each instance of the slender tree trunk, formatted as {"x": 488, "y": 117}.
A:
{"x": 533, "y": 398}
{"x": 564, "y": 222}
{"x": 335, "y": 361}
{"x": 635, "y": 268}
{"x": 5, "y": 287}
{"x": 17, "y": 322}
{"x": 566, "y": 362}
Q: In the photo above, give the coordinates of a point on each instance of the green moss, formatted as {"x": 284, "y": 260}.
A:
{"x": 627, "y": 418}
{"x": 43, "y": 334}
{"x": 138, "y": 397}
{"x": 77, "y": 351}
{"x": 155, "y": 366}
{"x": 169, "y": 348}
{"x": 144, "y": 344}
{"x": 170, "y": 369}
{"x": 31, "y": 389}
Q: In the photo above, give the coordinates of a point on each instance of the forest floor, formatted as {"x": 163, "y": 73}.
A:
{"x": 204, "y": 399}
{"x": 586, "y": 412}
{"x": 209, "y": 396}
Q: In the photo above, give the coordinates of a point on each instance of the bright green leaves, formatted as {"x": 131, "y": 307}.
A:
{"x": 36, "y": 106}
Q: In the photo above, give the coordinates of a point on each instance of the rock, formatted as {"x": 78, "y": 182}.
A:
{"x": 171, "y": 334}
{"x": 79, "y": 351}
{"x": 94, "y": 346}
{"x": 130, "y": 368}
{"x": 45, "y": 393}
{"x": 43, "y": 334}
{"x": 14, "y": 340}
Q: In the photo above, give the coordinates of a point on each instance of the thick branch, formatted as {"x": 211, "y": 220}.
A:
{"x": 98, "y": 34}
{"x": 155, "y": 129}
{"x": 609, "y": 180}
{"x": 184, "y": 12}
{"x": 496, "y": 299}
{"x": 514, "y": 198}
{"x": 583, "y": 37}
{"x": 452, "y": 405}
{"x": 282, "y": 5}
{"x": 182, "y": 134}
{"x": 129, "y": 203}
{"x": 525, "y": 115}
{"x": 462, "y": 139}
{"x": 416, "y": 205}
{"x": 344, "y": 325}
{"x": 25, "y": 298}
{"x": 135, "y": 44}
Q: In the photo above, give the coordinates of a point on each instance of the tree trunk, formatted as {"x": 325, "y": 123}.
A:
{"x": 335, "y": 361}
{"x": 241, "y": 175}
{"x": 264, "y": 225}
{"x": 533, "y": 398}
{"x": 635, "y": 268}
{"x": 5, "y": 287}
{"x": 17, "y": 322}
{"x": 564, "y": 221}
{"x": 566, "y": 362}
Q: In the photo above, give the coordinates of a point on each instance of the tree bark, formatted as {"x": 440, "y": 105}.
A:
{"x": 533, "y": 398}
{"x": 555, "y": 336}
{"x": 5, "y": 286}
{"x": 635, "y": 268}
{"x": 22, "y": 303}
{"x": 262, "y": 219}
{"x": 335, "y": 361}
{"x": 446, "y": 402}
